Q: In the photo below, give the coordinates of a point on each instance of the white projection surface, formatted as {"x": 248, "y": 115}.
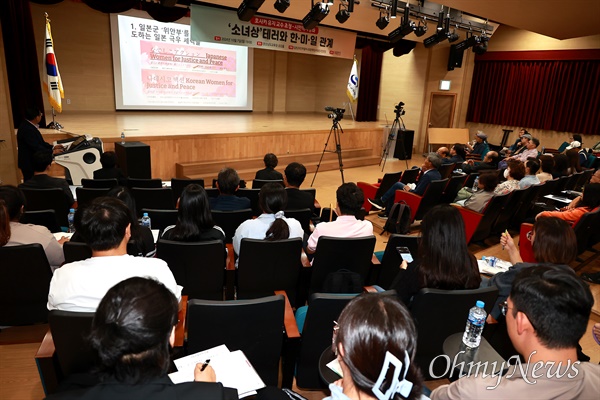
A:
{"x": 158, "y": 67}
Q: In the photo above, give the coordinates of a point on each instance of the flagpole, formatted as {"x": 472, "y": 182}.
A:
{"x": 54, "y": 83}
{"x": 352, "y": 87}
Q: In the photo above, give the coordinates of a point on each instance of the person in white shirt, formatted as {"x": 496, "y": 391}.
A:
{"x": 105, "y": 226}
{"x": 272, "y": 223}
{"x": 350, "y": 199}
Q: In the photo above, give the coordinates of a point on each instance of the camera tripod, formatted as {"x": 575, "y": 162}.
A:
{"x": 395, "y": 131}
{"x": 335, "y": 129}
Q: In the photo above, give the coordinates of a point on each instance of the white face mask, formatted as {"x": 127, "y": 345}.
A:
{"x": 506, "y": 173}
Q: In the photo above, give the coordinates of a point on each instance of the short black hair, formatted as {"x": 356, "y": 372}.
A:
{"x": 270, "y": 160}
{"x": 459, "y": 148}
{"x": 32, "y": 112}
{"x": 295, "y": 174}
{"x": 41, "y": 160}
{"x": 102, "y": 223}
{"x": 536, "y": 141}
{"x": 131, "y": 330}
{"x": 13, "y": 198}
{"x": 556, "y": 301}
{"x": 489, "y": 180}
{"x": 350, "y": 198}
{"x": 228, "y": 180}
{"x": 533, "y": 166}
{"x": 108, "y": 159}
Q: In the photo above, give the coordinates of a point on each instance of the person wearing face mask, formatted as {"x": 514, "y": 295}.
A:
{"x": 513, "y": 174}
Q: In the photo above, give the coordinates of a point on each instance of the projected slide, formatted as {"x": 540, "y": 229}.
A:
{"x": 158, "y": 67}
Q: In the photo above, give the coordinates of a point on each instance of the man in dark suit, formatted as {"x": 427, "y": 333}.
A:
{"x": 41, "y": 180}
{"x": 109, "y": 169}
{"x": 269, "y": 173}
{"x": 228, "y": 182}
{"x": 490, "y": 161}
{"x": 297, "y": 199}
{"x": 429, "y": 172}
{"x": 30, "y": 141}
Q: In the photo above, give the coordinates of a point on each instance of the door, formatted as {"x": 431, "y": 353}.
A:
{"x": 441, "y": 113}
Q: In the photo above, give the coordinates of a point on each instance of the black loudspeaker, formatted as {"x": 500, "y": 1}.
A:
{"x": 406, "y": 137}
{"x": 134, "y": 159}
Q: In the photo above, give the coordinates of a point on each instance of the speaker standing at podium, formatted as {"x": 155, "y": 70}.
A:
{"x": 30, "y": 141}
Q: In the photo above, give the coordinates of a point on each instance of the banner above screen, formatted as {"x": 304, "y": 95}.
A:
{"x": 223, "y": 26}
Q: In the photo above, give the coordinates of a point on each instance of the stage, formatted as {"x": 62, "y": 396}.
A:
{"x": 226, "y": 138}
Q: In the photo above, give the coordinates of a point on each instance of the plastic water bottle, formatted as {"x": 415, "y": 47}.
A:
{"x": 71, "y": 219}
{"x": 475, "y": 323}
{"x": 476, "y": 184}
{"x": 122, "y": 137}
{"x": 146, "y": 221}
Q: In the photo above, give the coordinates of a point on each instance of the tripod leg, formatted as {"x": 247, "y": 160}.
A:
{"x": 321, "y": 159}
{"x": 338, "y": 149}
{"x": 386, "y": 150}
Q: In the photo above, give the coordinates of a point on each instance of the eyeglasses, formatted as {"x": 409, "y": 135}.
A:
{"x": 503, "y": 307}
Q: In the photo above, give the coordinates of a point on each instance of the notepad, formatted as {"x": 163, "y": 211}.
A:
{"x": 232, "y": 369}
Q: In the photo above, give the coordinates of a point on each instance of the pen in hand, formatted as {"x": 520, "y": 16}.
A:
{"x": 205, "y": 365}
{"x": 506, "y": 232}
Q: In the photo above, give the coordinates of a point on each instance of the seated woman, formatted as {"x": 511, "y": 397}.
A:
{"x": 132, "y": 332}
{"x": 588, "y": 201}
{"x": 546, "y": 166}
{"x": 14, "y": 233}
{"x": 513, "y": 174}
{"x": 271, "y": 224}
{"x": 446, "y": 262}
{"x": 485, "y": 191}
{"x": 373, "y": 329}
{"x": 553, "y": 242}
{"x": 194, "y": 220}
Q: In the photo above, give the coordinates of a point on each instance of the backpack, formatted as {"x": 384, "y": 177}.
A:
{"x": 398, "y": 219}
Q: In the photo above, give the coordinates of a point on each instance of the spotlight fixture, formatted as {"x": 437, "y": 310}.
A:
{"x": 405, "y": 28}
{"x": 281, "y": 5}
{"x": 421, "y": 29}
{"x": 453, "y": 36}
{"x": 394, "y": 9}
{"x": 441, "y": 34}
{"x": 481, "y": 47}
{"x": 342, "y": 15}
{"x": 315, "y": 15}
{"x": 383, "y": 21}
{"x": 248, "y": 8}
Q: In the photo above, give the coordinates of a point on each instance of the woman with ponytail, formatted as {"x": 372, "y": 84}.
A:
{"x": 272, "y": 223}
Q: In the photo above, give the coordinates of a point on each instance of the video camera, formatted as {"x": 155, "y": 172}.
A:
{"x": 399, "y": 109}
{"x": 336, "y": 113}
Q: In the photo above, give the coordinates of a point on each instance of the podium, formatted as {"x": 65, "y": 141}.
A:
{"x": 134, "y": 159}
{"x": 406, "y": 137}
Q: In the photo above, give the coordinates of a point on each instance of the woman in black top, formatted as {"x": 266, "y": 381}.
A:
{"x": 194, "y": 220}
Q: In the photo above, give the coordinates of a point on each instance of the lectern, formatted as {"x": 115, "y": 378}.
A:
{"x": 134, "y": 159}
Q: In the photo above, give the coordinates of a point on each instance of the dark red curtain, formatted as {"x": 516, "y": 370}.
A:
{"x": 554, "y": 90}
{"x": 21, "y": 58}
{"x": 368, "y": 89}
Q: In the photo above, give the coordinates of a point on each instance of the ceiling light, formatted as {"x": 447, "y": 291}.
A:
{"x": 342, "y": 15}
{"x": 453, "y": 36}
{"x": 481, "y": 47}
{"x": 441, "y": 34}
{"x": 421, "y": 29}
{"x": 281, "y": 5}
{"x": 394, "y": 8}
{"x": 248, "y": 8}
{"x": 383, "y": 21}
{"x": 315, "y": 15}
{"x": 405, "y": 28}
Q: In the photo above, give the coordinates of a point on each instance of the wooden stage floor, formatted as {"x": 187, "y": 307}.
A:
{"x": 166, "y": 123}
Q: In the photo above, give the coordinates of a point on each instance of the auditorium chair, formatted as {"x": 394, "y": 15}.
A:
{"x": 471, "y": 219}
{"x": 525, "y": 205}
{"x": 258, "y": 183}
{"x": 48, "y": 199}
{"x": 86, "y": 195}
{"x": 508, "y": 211}
{"x": 445, "y": 170}
{"x": 153, "y": 198}
{"x": 197, "y": 266}
{"x": 471, "y": 179}
{"x": 230, "y": 220}
{"x": 525, "y": 245}
{"x": 376, "y": 190}
{"x": 490, "y": 213}
{"x": 76, "y": 251}
{"x": 303, "y": 216}
{"x": 144, "y": 183}
{"x": 178, "y": 184}
{"x": 254, "y": 326}
{"x": 391, "y": 260}
{"x": 24, "y": 283}
{"x": 410, "y": 175}
{"x": 419, "y": 205}
{"x": 251, "y": 194}
{"x": 584, "y": 179}
{"x": 451, "y": 190}
{"x": 435, "y": 323}
{"x": 587, "y": 232}
{"x": 99, "y": 183}
{"x": 572, "y": 181}
{"x": 265, "y": 266}
{"x": 160, "y": 219}
{"x": 45, "y": 218}
{"x": 333, "y": 254}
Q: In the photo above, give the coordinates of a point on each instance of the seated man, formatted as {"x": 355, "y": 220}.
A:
{"x": 105, "y": 226}
{"x": 547, "y": 313}
{"x": 297, "y": 199}
{"x": 429, "y": 172}
{"x": 443, "y": 153}
{"x": 228, "y": 182}
{"x": 516, "y": 145}
{"x": 349, "y": 202}
{"x": 530, "y": 178}
{"x": 457, "y": 155}
{"x": 109, "y": 169}
{"x": 480, "y": 146}
{"x": 530, "y": 151}
{"x": 269, "y": 173}
{"x": 42, "y": 160}
{"x": 490, "y": 161}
